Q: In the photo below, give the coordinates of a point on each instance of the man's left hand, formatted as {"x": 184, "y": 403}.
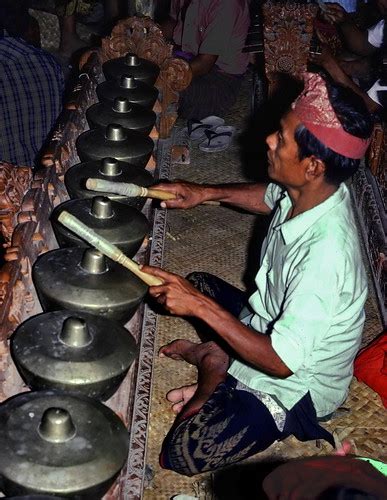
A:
{"x": 176, "y": 294}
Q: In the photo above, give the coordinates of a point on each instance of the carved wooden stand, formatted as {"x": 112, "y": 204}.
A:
{"x": 27, "y": 200}
{"x": 141, "y": 36}
{"x": 369, "y": 188}
{"x": 288, "y": 30}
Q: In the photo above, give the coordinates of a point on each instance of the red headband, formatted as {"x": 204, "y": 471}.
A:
{"x": 315, "y": 111}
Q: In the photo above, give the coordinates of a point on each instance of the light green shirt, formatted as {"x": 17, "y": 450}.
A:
{"x": 311, "y": 289}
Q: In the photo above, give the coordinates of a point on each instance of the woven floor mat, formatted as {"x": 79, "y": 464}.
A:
{"x": 219, "y": 240}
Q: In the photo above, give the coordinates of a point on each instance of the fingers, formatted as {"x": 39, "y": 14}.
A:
{"x": 334, "y": 13}
{"x": 177, "y": 203}
{"x": 187, "y": 194}
{"x": 164, "y": 186}
{"x": 160, "y": 273}
{"x": 321, "y": 37}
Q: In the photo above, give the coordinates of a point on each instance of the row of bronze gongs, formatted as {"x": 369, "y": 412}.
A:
{"x": 60, "y": 439}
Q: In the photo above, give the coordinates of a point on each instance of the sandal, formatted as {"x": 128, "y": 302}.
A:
{"x": 218, "y": 139}
{"x": 196, "y": 128}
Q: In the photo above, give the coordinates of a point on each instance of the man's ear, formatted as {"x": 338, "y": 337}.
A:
{"x": 314, "y": 169}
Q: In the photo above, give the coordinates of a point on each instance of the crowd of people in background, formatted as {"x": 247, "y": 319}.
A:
{"x": 209, "y": 34}
{"x": 285, "y": 359}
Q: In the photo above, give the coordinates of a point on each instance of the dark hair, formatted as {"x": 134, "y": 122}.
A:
{"x": 14, "y": 18}
{"x": 356, "y": 120}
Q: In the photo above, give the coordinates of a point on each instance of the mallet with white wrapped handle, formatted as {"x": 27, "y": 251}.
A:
{"x": 133, "y": 190}
{"x": 105, "y": 247}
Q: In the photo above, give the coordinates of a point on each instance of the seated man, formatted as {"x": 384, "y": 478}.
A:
{"x": 293, "y": 346}
{"x": 210, "y": 34}
{"x": 328, "y": 61}
{"x": 363, "y": 43}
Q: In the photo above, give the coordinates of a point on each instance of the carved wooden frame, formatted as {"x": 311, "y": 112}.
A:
{"x": 33, "y": 235}
{"x": 141, "y": 36}
{"x": 377, "y": 158}
{"x": 288, "y": 30}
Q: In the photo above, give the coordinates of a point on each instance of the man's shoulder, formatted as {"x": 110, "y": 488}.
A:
{"x": 16, "y": 49}
{"x": 332, "y": 237}
{"x": 338, "y": 224}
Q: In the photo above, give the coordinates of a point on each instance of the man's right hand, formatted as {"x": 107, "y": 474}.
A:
{"x": 334, "y": 13}
{"x": 188, "y": 194}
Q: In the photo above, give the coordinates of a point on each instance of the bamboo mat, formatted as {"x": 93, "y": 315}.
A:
{"x": 218, "y": 240}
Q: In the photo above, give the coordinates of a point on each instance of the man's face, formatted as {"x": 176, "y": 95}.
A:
{"x": 382, "y": 6}
{"x": 284, "y": 164}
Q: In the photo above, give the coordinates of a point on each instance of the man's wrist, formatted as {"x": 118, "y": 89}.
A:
{"x": 208, "y": 310}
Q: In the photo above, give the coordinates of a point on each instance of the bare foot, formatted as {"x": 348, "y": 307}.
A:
{"x": 179, "y": 397}
{"x": 193, "y": 353}
{"x": 212, "y": 363}
{"x": 177, "y": 349}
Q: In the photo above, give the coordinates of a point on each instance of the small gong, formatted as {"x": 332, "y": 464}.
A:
{"x": 132, "y": 65}
{"x": 115, "y": 142}
{"x": 124, "y": 113}
{"x": 85, "y": 280}
{"x": 108, "y": 169}
{"x": 122, "y": 225}
{"x": 59, "y": 444}
{"x": 133, "y": 90}
{"x": 74, "y": 352}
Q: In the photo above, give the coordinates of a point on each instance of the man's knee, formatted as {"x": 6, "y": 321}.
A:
{"x": 198, "y": 277}
{"x": 179, "y": 464}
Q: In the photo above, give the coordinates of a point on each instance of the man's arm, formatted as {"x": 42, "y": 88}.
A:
{"x": 356, "y": 39}
{"x": 179, "y": 297}
{"x": 250, "y": 197}
{"x": 202, "y": 64}
{"x": 167, "y": 27}
{"x": 331, "y": 65}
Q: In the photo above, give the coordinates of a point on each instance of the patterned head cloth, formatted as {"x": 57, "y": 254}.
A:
{"x": 316, "y": 113}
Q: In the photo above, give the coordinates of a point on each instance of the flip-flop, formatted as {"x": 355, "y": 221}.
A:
{"x": 218, "y": 139}
{"x": 196, "y": 128}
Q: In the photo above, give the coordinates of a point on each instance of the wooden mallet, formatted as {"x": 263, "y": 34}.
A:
{"x": 133, "y": 190}
{"x": 105, "y": 247}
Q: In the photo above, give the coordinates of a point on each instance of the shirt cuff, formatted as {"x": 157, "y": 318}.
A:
{"x": 290, "y": 351}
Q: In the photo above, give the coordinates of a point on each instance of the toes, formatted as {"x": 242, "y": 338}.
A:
{"x": 166, "y": 350}
{"x": 173, "y": 349}
{"x": 188, "y": 391}
{"x": 175, "y": 395}
{"x": 177, "y": 407}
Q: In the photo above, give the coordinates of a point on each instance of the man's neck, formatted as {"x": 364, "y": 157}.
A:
{"x": 306, "y": 199}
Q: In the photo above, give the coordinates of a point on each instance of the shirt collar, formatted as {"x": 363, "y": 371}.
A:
{"x": 293, "y": 228}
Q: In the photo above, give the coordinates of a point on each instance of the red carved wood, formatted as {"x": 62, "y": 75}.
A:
{"x": 377, "y": 157}
{"x": 288, "y": 29}
{"x": 14, "y": 182}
